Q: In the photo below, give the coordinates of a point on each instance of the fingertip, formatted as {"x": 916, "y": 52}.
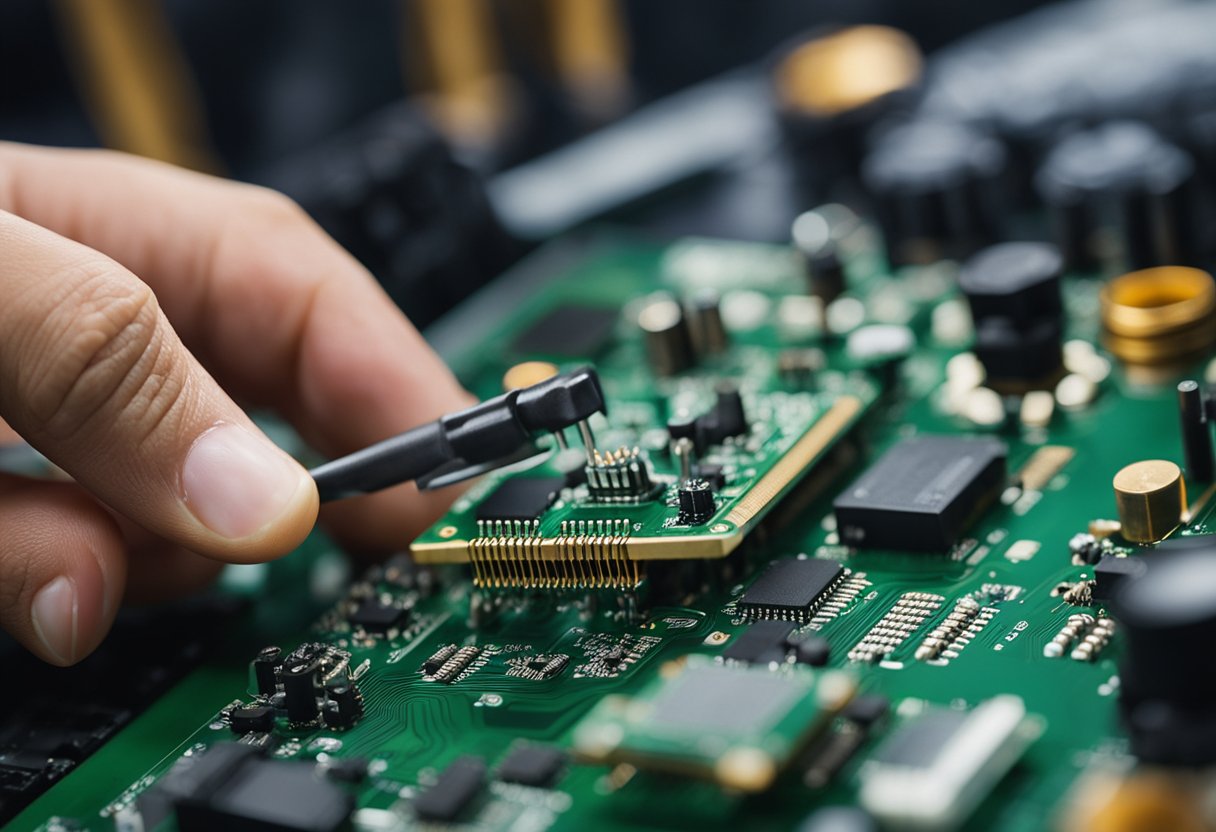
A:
{"x": 64, "y": 555}
{"x": 254, "y": 501}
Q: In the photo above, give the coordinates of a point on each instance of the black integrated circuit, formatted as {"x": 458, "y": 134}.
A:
{"x": 922, "y": 494}
{"x": 375, "y": 617}
{"x": 234, "y": 786}
{"x": 451, "y": 794}
{"x": 538, "y": 766}
{"x": 761, "y": 643}
{"x": 520, "y": 498}
{"x": 791, "y": 590}
{"x": 567, "y": 331}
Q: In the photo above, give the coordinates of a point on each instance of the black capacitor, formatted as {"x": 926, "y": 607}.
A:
{"x": 728, "y": 417}
{"x": 936, "y": 188}
{"x": 1168, "y": 691}
{"x": 263, "y": 670}
{"x": 1014, "y": 293}
{"x": 1196, "y": 433}
{"x": 668, "y": 340}
{"x": 344, "y": 706}
{"x": 300, "y": 692}
{"x": 708, "y": 333}
{"x": 696, "y": 502}
{"x": 1121, "y": 176}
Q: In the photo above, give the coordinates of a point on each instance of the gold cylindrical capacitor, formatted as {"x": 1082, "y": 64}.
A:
{"x": 1161, "y": 315}
{"x": 1151, "y": 497}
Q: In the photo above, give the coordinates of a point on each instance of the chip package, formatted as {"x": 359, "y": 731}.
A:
{"x": 922, "y": 494}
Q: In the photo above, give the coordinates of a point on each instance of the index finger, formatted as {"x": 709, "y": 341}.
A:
{"x": 279, "y": 313}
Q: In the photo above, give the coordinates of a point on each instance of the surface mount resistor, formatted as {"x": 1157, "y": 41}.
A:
{"x": 1069, "y": 633}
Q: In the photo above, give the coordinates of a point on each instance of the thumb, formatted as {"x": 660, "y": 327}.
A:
{"x": 93, "y": 375}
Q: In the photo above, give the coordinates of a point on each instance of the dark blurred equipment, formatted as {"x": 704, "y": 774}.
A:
{"x": 935, "y": 188}
{"x": 1122, "y": 176}
{"x": 391, "y": 192}
{"x": 1168, "y": 692}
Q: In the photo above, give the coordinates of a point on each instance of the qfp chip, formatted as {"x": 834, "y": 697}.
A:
{"x": 922, "y": 494}
{"x": 520, "y": 499}
{"x": 567, "y": 331}
{"x": 790, "y": 590}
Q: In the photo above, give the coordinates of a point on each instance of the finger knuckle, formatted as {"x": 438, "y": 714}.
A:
{"x": 110, "y": 358}
{"x": 275, "y": 207}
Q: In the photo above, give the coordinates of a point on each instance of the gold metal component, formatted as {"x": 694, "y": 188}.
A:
{"x": 1151, "y": 497}
{"x": 448, "y": 531}
{"x": 1160, "y": 315}
{"x": 574, "y": 561}
{"x": 1102, "y": 528}
{"x": 515, "y": 556}
{"x": 847, "y": 70}
{"x": 526, "y": 374}
{"x": 1044, "y": 464}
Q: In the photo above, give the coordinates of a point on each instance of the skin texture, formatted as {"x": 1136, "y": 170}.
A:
{"x": 139, "y": 304}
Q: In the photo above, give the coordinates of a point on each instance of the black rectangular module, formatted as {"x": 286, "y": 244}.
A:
{"x": 567, "y": 331}
{"x": 790, "y": 589}
{"x": 922, "y": 494}
{"x": 375, "y": 617}
{"x": 532, "y": 765}
{"x": 457, "y": 786}
{"x": 762, "y": 642}
{"x": 520, "y": 498}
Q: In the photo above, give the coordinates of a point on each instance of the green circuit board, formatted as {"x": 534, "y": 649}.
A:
{"x": 659, "y": 726}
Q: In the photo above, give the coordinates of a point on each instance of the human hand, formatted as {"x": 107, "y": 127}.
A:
{"x": 135, "y": 299}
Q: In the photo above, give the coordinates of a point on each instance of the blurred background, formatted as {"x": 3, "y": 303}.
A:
{"x": 439, "y": 140}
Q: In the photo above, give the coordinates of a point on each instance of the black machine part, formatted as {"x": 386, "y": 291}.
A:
{"x": 496, "y": 432}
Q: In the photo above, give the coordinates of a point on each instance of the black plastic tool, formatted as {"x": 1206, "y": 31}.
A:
{"x": 497, "y": 432}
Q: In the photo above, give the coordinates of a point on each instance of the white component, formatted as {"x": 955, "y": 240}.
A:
{"x": 745, "y": 310}
{"x": 878, "y": 341}
{"x": 951, "y": 323}
{"x": 800, "y": 317}
{"x": 844, "y": 315}
{"x": 970, "y": 762}
{"x": 984, "y": 407}
{"x": 1022, "y": 550}
{"x": 1037, "y": 407}
{"x": 1075, "y": 392}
